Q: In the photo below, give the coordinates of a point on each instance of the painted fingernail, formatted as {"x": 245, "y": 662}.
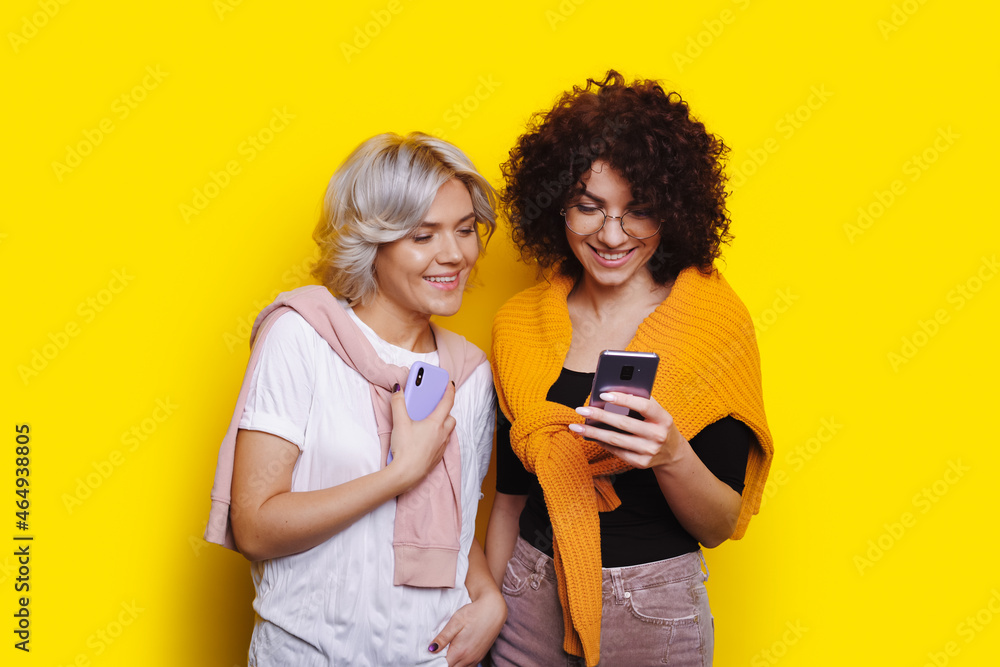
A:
{"x": 395, "y": 388}
{"x": 607, "y": 397}
{"x": 576, "y": 428}
{"x": 432, "y": 647}
{"x": 583, "y": 411}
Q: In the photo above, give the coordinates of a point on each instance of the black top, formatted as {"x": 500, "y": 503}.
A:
{"x": 642, "y": 529}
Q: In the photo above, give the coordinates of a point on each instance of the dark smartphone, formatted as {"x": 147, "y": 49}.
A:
{"x": 624, "y": 372}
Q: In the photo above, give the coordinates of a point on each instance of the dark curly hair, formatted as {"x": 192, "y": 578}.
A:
{"x": 649, "y": 137}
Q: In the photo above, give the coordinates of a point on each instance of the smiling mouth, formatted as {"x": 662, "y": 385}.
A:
{"x": 611, "y": 256}
{"x": 441, "y": 279}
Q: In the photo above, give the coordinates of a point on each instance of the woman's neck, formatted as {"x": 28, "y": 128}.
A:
{"x": 641, "y": 294}
{"x": 410, "y": 331}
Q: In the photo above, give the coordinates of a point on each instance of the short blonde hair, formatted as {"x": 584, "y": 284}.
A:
{"x": 380, "y": 194}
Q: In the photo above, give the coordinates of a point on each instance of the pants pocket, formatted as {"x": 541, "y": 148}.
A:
{"x": 660, "y": 625}
{"x": 515, "y": 578}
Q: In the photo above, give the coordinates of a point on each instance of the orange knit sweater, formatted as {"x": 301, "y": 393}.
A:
{"x": 709, "y": 369}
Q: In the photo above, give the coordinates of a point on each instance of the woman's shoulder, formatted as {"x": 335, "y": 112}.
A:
{"x": 708, "y": 302}
{"x": 290, "y": 328}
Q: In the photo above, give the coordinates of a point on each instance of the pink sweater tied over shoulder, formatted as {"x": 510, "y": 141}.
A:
{"x": 428, "y": 521}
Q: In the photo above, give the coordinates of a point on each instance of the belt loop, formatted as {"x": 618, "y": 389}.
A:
{"x": 616, "y": 586}
{"x": 704, "y": 563}
{"x": 541, "y": 563}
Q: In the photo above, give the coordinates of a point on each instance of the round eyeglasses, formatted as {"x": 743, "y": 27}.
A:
{"x": 584, "y": 220}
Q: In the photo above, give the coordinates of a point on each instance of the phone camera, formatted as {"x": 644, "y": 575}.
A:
{"x": 420, "y": 376}
{"x": 627, "y": 372}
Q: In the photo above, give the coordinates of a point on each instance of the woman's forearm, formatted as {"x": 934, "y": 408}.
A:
{"x": 270, "y": 520}
{"x": 502, "y": 531}
{"x": 705, "y": 506}
{"x": 479, "y": 581}
{"x": 292, "y": 522}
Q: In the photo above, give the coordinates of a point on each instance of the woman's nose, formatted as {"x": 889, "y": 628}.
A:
{"x": 612, "y": 234}
{"x": 449, "y": 252}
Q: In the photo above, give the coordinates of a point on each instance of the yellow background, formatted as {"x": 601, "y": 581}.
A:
{"x": 850, "y": 562}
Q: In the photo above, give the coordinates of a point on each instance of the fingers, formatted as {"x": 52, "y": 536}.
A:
{"x": 647, "y": 407}
{"x": 447, "y": 634}
{"x": 446, "y": 403}
{"x": 618, "y": 441}
{"x": 652, "y": 428}
{"x": 398, "y": 405}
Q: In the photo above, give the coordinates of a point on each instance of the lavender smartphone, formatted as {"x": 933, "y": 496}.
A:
{"x": 424, "y": 389}
{"x": 625, "y": 372}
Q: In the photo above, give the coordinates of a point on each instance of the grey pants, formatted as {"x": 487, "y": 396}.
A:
{"x": 653, "y": 614}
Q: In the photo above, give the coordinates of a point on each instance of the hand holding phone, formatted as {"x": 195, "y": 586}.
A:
{"x": 626, "y": 373}
{"x": 425, "y": 386}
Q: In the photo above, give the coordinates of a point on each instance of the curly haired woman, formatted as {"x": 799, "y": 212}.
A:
{"x": 618, "y": 194}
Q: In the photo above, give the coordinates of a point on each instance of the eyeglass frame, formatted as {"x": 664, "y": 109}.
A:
{"x": 620, "y": 218}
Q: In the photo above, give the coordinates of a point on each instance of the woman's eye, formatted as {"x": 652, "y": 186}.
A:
{"x": 467, "y": 231}
{"x": 641, "y": 213}
{"x": 422, "y": 238}
{"x": 588, "y": 210}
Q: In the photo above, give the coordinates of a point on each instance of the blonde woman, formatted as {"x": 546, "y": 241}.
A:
{"x": 361, "y": 557}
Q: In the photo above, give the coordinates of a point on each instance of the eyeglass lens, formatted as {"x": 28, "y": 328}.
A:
{"x": 586, "y": 220}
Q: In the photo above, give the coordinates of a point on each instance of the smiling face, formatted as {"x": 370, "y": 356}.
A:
{"x": 425, "y": 273}
{"x": 610, "y": 258}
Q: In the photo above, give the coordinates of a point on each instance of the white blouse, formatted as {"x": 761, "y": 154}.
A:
{"x": 335, "y": 604}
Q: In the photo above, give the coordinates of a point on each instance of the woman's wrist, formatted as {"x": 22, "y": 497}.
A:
{"x": 676, "y": 453}
{"x": 399, "y": 479}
